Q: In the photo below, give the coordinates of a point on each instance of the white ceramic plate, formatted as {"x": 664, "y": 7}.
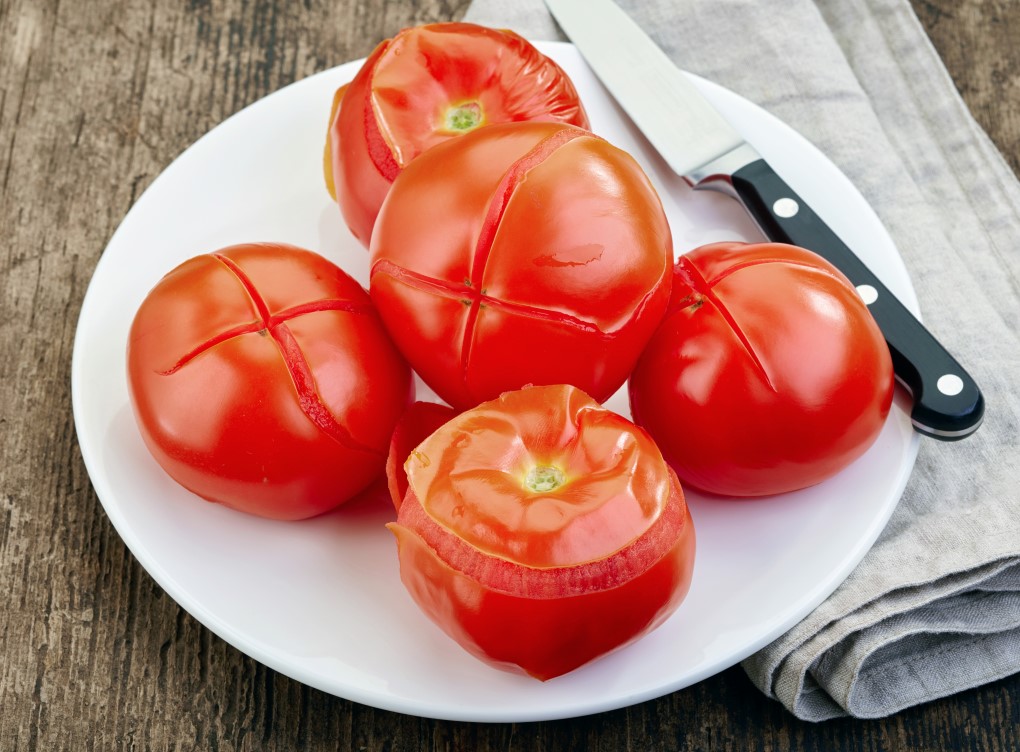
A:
{"x": 321, "y": 600}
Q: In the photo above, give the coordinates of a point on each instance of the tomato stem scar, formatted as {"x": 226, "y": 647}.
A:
{"x": 544, "y": 478}
{"x": 464, "y": 117}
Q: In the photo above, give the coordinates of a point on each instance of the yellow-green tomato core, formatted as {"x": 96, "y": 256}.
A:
{"x": 544, "y": 478}
{"x": 464, "y": 117}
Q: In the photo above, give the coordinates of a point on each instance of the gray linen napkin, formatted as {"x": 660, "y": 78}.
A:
{"x": 934, "y": 608}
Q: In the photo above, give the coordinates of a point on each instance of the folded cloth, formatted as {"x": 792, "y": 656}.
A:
{"x": 934, "y": 607}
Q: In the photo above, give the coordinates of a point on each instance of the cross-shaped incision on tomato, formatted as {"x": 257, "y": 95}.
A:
{"x": 769, "y": 350}
{"x": 262, "y": 378}
{"x": 276, "y": 326}
{"x": 521, "y": 253}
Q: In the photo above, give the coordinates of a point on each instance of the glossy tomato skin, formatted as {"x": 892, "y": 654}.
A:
{"x": 525, "y": 253}
{"x": 767, "y": 375}
{"x": 418, "y": 422}
{"x": 429, "y": 84}
{"x": 327, "y": 151}
{"x": 261, "y": 378}
{"x": 543, "y": 579}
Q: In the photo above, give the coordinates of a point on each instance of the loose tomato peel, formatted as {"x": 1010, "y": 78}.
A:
{"x": 542, "y": 531}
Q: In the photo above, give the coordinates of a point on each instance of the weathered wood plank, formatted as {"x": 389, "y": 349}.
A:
{"x": 980, "y": 45}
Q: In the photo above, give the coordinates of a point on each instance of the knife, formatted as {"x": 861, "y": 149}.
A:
{"x": 702, "y": 147}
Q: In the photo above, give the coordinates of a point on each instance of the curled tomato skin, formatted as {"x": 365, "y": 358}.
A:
{"x": 541, "y": 531}
{"x": 767, "y": 375}
{"x": 523, "y": 253}
{"x": 261, "y": 378}
{"x": 429, "y": 84}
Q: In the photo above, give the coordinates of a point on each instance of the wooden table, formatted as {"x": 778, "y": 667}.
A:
{"x": 96, "y": 98}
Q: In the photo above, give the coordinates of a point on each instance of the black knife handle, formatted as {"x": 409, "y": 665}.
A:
{"x": 947, "y": 403}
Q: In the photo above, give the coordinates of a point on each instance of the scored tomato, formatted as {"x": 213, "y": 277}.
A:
{"x": 416, "y": 424}
{"x": 768, "y": 373}
{"x": 262, "y": 378}
{"x": 523, "y": 253}
{"x": 541, "y": 531}
{"x": 429, "y": 84}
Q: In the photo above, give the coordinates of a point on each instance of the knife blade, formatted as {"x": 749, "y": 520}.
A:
{"x": 697, "y": 143}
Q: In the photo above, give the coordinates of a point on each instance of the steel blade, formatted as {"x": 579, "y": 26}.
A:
{"x": 673, "y": 115}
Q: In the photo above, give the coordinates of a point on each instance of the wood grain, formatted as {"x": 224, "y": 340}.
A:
{"x": 95, "y": 100}
{"x": 980, "y": 45}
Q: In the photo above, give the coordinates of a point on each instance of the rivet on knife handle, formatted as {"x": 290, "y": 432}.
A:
{"x": 947, "y": 402}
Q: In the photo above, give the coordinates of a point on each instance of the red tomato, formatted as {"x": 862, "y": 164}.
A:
{"x": 429, "y": 84}
{"x": 523, "y": 253}
{"x": 261, "y": 378}
{"x": 768, "y": 373}
{"x": 541, "y": 531}
{"x": 416, "y": 424}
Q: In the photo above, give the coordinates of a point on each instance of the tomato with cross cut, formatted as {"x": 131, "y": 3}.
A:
{"x": 522, "y": 253}
{"x": 424, "y": 86}
{"x": 768, "y": 373}
{"x": 262, "y": 378}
